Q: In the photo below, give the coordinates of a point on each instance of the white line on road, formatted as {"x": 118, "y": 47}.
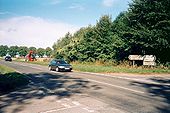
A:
{"x": 55, "y": 110}
{"x": 76, "y": 103}
{"x": 66, "y": 105}
{"x": 87, "y": 109}
{"x": 125, "y": 78}
{"x": 116, "y": 86}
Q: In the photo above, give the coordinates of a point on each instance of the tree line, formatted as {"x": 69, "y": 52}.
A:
{"x": 143, "y": 29}
{"x": 23, "y": 50}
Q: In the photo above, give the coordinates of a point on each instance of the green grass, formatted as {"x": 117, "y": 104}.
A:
{"x": 5, "y": 69}
{"x": 118, "y": 69}
{"x": 32, "y": 62}
{"x": 9, "y": 79}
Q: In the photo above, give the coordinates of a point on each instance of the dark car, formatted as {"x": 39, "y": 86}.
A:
{"x": 59, "y": 65}
{"x": 8, "y": 58}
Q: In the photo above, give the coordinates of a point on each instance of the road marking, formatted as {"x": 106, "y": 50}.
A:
{"x": 117, "y": 86}
{"x": 61, "y": 109}
{"x": 125, "y": 78}
{"x": 87, "y": 109}
{"x": 76, "y": 103}
{"x": 66, "y": 105}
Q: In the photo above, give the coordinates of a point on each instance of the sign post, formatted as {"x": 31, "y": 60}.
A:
{"x": 148, "y": 60}
{"x": 135, "y": 57}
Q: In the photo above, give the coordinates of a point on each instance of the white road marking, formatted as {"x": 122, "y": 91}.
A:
{"x": 116, "y": 86}
{"x": 59, "y": 101}
{"x": 125, "y": 78}
{"x": 66, "y": 105}
{"x": 87, "y": 109}
{"x": 55, "y": 110}
{"x": 76, "y": 103}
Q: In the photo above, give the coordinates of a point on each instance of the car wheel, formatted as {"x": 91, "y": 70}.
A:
{"x": 57, "y": 69}
{"x": 49, "y": 68}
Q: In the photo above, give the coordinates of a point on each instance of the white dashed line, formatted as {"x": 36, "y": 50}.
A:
{"x": 116, "y": 86}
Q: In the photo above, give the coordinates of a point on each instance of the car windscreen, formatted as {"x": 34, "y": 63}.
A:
{"x": 61, "y": 62}
{"x": 7, "y": 57}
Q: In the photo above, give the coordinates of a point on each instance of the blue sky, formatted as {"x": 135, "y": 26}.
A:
{"x": 32, "y": 22}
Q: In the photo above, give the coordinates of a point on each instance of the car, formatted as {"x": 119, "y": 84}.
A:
{"x": 59, "y": 65}
{"x": 8, "y": 58}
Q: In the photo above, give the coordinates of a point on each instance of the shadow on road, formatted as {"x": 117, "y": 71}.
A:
{"x": 42, "y": 85}
{"x": 159, "y": 90}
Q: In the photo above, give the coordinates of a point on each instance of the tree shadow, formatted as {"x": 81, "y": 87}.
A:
{"x": 45, "y": 84}
{"x": 159, "y": 89}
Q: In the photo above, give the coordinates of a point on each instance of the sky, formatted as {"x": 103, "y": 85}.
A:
{"x": 40, "y": 23}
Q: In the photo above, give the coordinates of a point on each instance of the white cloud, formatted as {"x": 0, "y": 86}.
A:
{"x": 76, "y": 6}
{"x": 109, "y": 3}
{"x": 31, "y": 31}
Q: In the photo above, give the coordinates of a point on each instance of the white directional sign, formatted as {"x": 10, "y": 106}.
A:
{"x": 135, "y": 57}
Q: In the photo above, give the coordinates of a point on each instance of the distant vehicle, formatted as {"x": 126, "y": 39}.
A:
{"x": 8, "y": 58}
{"x": 59, "y": 65}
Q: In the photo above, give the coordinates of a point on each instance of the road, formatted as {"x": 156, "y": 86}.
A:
{"x": 78, "y": 92}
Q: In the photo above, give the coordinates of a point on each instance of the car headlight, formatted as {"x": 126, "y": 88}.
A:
{"x": 61, "y": 66}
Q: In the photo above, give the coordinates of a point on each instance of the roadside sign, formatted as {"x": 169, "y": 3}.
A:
{"x": 150, "y": 63}
{"x": 135, "y": 57}
{"x": 149, "y": 58}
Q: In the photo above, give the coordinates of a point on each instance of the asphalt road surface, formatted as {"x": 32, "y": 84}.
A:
{"x": 78, "y": 92}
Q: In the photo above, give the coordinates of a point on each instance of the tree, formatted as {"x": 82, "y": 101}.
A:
{"x": 143, "y": 29}
{"x": 149, "y": 21}
{"x": 48, "y": 51}
{"x": 33, "y": 49}
{"x": 23, "y": 50}
{"x": 40, "y": 52}
{"x": 13, "y": 50}
{"x": 3, "y": 50}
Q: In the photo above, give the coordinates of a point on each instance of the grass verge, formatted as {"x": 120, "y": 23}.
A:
{"x": 32, "y": 62}
{"x": 118, "y": 69}
{"x": 9, "y": 79}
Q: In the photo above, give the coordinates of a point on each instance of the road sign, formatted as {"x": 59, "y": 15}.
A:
{"x": 135, "y": 57}
{"x": 149, "y": 58}
{"x": 150, "y": 63}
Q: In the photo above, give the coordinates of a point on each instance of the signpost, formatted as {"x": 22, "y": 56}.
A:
{"x": 135, "y": 57}
{"x": 148, "y": 60}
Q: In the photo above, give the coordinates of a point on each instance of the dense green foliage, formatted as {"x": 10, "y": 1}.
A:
{"x": 143, "y": 29}
{"x": 3, "y": 50}
{"x": 23, "y": 50}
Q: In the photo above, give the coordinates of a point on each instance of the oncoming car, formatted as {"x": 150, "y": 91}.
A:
{"x": 59, "y": 65}
{"x": 8, "y": 58}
